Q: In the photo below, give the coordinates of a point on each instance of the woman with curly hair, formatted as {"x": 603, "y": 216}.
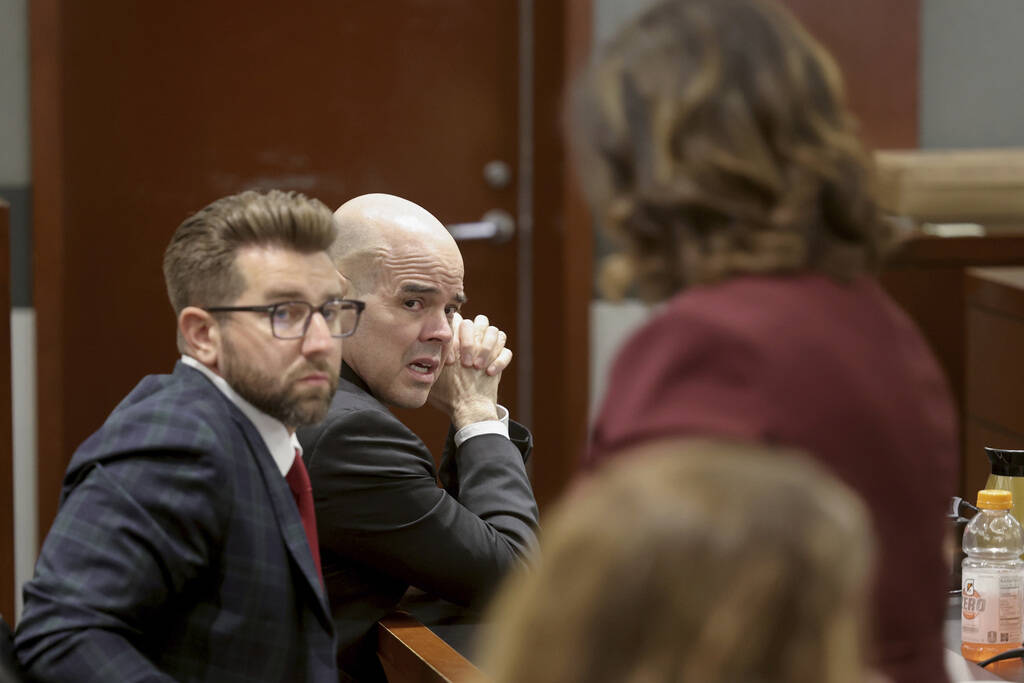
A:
{"x": 716, "y": 148}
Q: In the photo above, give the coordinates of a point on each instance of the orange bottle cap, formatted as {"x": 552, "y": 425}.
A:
{"x": 995, "y": 499}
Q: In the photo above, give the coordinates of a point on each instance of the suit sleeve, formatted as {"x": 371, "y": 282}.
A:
{"x": 448, "y": 473}
{"x": 378, "y": 503}
{"x": 128, "y": 541}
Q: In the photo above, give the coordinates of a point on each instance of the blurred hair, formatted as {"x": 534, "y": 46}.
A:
{"x": 199, "y": 263}
{"x": 713, "y": 140}
{"x": 697, "y": 561}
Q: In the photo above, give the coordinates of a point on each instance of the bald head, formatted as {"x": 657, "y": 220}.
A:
{"x": 372, "y": 227}
{"x": 408, "y": 270}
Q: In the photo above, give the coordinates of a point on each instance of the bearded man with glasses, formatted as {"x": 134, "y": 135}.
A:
{"x": 185, "y": 546}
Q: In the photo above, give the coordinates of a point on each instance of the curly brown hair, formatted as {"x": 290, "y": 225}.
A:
{"x": 714, "y": 140}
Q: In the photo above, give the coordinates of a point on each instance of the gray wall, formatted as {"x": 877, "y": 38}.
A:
{"x": 15, "y": 187}
{"x": 972, "y": 68}
{"x": 14, "y": 160}
{"x": 972, "y": 73}
{"x": 609, "y": 15}
{"x": 15, "y": 175}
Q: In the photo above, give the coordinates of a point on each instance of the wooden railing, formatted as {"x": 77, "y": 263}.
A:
{"x": 412, "y": 653}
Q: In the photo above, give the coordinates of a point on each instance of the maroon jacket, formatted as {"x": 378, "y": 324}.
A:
{"x": 836, "y": 370}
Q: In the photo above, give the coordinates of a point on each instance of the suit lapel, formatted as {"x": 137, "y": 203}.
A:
{"x": 287, "y": 516}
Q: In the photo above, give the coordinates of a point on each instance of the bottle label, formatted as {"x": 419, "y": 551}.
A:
{"x": 991, "y": 607}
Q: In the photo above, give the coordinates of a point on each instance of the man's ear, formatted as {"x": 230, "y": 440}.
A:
{"x": 201, "y": 334}
{"x": 346, "y": 284}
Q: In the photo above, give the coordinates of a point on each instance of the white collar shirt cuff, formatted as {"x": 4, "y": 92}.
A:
{"x": 499, "y": 426}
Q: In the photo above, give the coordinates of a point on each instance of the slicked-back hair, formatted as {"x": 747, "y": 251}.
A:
{"x": 714, "y": 140}
{"x": 199, "y": 263}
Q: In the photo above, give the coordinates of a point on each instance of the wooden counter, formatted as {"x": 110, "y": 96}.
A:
{"x": 995, "y": 366}
{"x": 412, "y": 653}
{"x": 926, "y": 275}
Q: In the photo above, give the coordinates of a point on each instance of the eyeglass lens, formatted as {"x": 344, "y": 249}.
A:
{"x": 291, "y": 320}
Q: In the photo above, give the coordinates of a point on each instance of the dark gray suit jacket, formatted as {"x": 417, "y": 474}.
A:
{"x": 384, "y": 524}
{"x": 177, "y": 554}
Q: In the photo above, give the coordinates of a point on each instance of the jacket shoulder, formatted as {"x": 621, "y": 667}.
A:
{"x": 179, "y": 412}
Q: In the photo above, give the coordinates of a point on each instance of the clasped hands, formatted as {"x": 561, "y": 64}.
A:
{"x": 467, "y": 389}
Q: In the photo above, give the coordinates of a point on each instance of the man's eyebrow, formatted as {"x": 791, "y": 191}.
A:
{"x": 290, "y": 294}
{"x": 416, "y": 288}
{"x": 297, "y": 295}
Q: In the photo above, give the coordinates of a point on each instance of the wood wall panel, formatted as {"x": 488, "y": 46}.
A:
{"x": 995, "y": 378}
{"x": 994, "y": 368}
{"x": 876, "y": 44}
{"x": 933, "y": 295}
{"x": 563, "y": 248}
{"x": 47, "y": 112}
{"x": 926, "y": 277}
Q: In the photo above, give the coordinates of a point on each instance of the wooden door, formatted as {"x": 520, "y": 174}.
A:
{"x": 144, "y": 112}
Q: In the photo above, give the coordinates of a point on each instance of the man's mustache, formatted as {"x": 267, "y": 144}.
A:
{"x": 323, "y": 366}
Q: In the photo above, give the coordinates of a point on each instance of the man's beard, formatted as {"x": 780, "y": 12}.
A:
{"x": 282, "y": 400}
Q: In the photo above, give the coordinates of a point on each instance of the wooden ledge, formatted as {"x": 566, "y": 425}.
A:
{"x": 412, "y": 653}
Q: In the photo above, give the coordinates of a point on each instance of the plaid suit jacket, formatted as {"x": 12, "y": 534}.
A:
{"x": 177, "y": 553}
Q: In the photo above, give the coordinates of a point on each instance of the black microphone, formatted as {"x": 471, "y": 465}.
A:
{"x": 1009, "y": 654}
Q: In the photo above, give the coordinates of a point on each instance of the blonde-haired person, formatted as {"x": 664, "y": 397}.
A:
{"x": 717, "y": 148}
{"x": 696, "y": 562}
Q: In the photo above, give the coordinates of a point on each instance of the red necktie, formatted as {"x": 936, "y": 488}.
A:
{"x": 302, "y": 491}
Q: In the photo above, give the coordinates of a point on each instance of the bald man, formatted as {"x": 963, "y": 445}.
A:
{"x": 383, "y": 522}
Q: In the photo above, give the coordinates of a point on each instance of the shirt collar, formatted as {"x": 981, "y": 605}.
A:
{"x": 282, "y": 446}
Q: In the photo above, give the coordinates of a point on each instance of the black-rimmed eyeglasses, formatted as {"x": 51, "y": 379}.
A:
{"x": 290, "y": 319}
